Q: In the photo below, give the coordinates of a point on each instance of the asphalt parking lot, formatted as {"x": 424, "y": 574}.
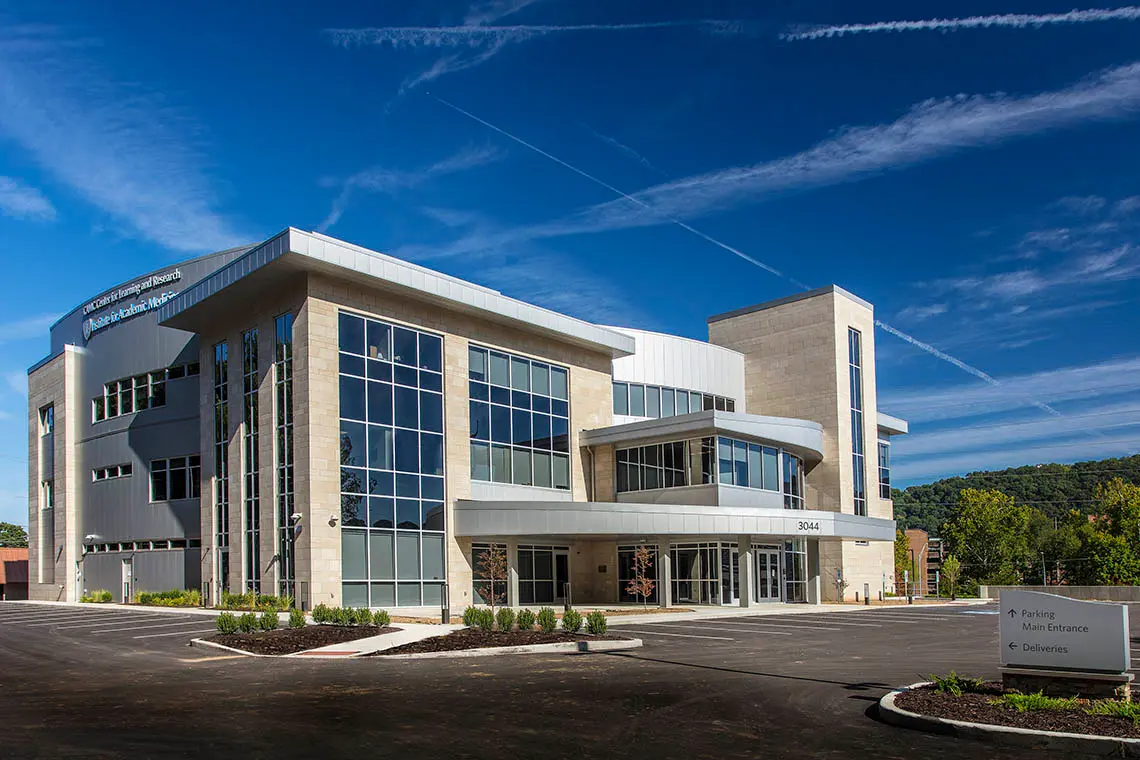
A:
{"x": 784, "y": 686}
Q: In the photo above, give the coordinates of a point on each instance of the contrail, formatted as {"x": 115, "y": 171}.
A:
{"x": 471, "y": 35}
{"x": 1009, "y": 20}
{"x": 736, "y": 252}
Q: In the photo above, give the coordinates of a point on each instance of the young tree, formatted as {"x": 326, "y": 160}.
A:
{"x": 952, "y": 571}
{"x": 493, "y": 565}
{"x": 642, "y": 583}
{"x": 990, "y": 535}
{"x": 902, "y": 558}
{"x": 13, "y": 535}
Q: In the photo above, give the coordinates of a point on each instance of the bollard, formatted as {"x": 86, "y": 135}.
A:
{"x": 445, "y": 607}
{"x": 866, "y": 594}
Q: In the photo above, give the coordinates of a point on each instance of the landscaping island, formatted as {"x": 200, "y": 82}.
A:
{"x": 292, "y": 640}
{"x": 477, "y": 638}
{"x": 971, "y": 700}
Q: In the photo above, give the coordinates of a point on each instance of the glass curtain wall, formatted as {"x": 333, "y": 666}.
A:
{"x": 221, "y": 466}
{"x": 696, "y": 573}
{"x": 251, "y": 460}
{"x": 884, "y": 469}
{"x": 520, "y": 420}
{"x": 626, "y": 574}
{"x": 858, "y": 463}
{"x": 655, "y": 401}
{"x": 283, "y": 447}
{"x": 795, "y": 570}
{"x": 392, "y": 469}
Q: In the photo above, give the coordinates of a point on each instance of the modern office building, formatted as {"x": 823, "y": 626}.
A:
{"x": 308, "y": 417}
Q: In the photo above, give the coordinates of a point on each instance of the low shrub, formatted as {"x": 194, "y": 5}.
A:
{"x": 343, "y": 616}
{"x": 227, "y": 623}
{"x": 362, "y": 616}
{"x": 1116, "y": 709}
{"x": 248, "y": 623}
{"x": 101, "y": 596}
{"x": 1033, "y": 702}
{"x": 251, "y": 600}
{"x": 525, "y": 620}
{"x": 571, "y": 621}
{"x": 596, "y": 622}
{"x": 176, "y": 598}
{"x": 296, "y": 618}
{"x": 546, "y": 620}
{"x": 381, "y": 618}
{"x": 485, "y": 620}
{"x": 505, "y": 618}
{"x": 471, "y": 617}
{"x": 322, "y": 614}
{"x": 955, "y": 684}
{"x": 269, "y": 621}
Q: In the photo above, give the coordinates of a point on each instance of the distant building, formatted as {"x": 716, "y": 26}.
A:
{"x": 13, "y": 573}
{"x": 928, "y": 557}
{"x": 308, "y": 417}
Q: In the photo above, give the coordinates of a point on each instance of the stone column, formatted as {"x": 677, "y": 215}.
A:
{"x": 512, "y": 573}
{"x": 664, "y": 574}
{"x": 813, "y": 588}
{"x": 744, "y": 569}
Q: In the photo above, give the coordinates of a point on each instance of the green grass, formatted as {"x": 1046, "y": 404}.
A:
{"x": 1116, "y": 709}
{"x": 952, "y": 683}
{"x": 1034, "y": 702}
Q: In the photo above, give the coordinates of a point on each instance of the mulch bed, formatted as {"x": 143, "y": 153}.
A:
{"x": 976, "y": 708}
{"x": 290, "y": 640}
{"x": 476, "y": 638}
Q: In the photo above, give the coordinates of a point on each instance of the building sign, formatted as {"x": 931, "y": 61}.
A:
{"x": 1048, "y": 631}
{"x": 134, "y": 289}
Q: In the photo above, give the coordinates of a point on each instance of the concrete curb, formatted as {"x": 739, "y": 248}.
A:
{"x": 203, "y": 644}
{"x": 1005, "y": 735}
{"x": 566, "y": 647}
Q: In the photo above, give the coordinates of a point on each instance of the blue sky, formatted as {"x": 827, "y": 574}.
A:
{"x": 637, "y": 163}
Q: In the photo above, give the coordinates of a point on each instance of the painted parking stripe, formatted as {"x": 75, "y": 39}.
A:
{"x": 144, "y": 627}
{"x": 180, "y": 633}
{"x": 825, "y": 621}
{"x": 44, "y": 615}
{"x": 808, "y": 627}
{"x": 698, "y": 625}
{"x": 112, "y": 621}
{"x": 39, "y": 622}
{"x": 907, "y": 614}
{"x": 681, "y": 635}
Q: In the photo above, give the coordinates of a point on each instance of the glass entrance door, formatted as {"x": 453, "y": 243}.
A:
{"x": 729, "y": 576}
{"x": 767, "y": 575}
{"x": 561, "y": 575}
{"x": 128, "y": 580}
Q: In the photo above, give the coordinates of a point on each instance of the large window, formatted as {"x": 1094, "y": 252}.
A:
{"x": 175, "y": 478}
{"x": 391, "y": 456}
{"x": 793, "y": 482}
{"x": 544, "y": 573}
{"x": 47, "y": 532}
{"x": 221, "y": 459}
{"x": 135, "y": 394}
{"x": 47, "y": 420}
{"x": 795, "y": 570}
{"x": 250, "y": 460}
{"x": 483, "y": 587}
{"x": 520, "y": 420}
{"x": 751, "y": 465}
{"x": 665, "y": 465}
{"x": 858, "y": 464}
{"x": 626, "y": 573}
{"x": 655, "y": 401}
{"x": 283, "y": 450}
{"x": 884, "y": 469}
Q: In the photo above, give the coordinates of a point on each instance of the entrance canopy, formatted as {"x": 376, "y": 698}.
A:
{"x": 578, "y": 518}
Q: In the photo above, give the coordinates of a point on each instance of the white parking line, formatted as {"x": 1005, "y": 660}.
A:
{"x": 53, "y": 614}
{"x": 144, "y": 627}
{"x": 699, "y": 626}
{"x": 56, "y": 621}
{"x": 777, "y": 625}
{"x": 179, "y": 633}
{"x": 909, "y": 615}
{"x": 837, "y": 622}
{"x": 681, "y": 635}
{"x": 112, "y": 621}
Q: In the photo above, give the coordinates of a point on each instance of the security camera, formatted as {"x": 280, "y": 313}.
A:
{"x": 295, "y": 517}
{"x": 91, "y": 537}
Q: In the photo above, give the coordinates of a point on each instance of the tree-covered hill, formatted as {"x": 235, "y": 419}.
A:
{"x": 1052, "y": 488}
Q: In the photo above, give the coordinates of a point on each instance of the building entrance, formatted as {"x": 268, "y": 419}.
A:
{"x": 767, "y": 574}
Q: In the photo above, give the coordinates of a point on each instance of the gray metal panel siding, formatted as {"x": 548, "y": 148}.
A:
{"x": 153, "y": 571}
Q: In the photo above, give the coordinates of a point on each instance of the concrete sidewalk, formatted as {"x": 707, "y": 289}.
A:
{"x": 712, "y": 612}
{"x": 408, "y": 633}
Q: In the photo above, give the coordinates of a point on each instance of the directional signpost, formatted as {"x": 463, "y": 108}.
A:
{"x": 1053, "y": 639}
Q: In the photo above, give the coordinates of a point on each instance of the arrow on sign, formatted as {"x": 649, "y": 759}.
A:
{"x": 1012, "y": 645}
{"x": 1012, "y": 613}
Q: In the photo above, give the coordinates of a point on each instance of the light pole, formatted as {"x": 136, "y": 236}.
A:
{"x": 910, "y": 587}
{"x": 1044, "y": 579}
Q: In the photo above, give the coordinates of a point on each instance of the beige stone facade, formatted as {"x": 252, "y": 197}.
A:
{"x": 796, "y": 365}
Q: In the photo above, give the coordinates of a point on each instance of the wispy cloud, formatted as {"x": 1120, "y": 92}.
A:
{"x": 26, "y": 328}
{"x": 922, "y": 313}
{"x": 17, "y": 382}
{"x": 1055, "y": 386}
{"x": 118, "y": 146}
{"x": 928, "y": 130}
{"x": 19, "y": 201}
{"x": 1004, "y": 20}
{"x": 378, "y": 179}
{"x": 479, "y": 38}
{"x": 1079, "y": 205}
{"x": 628, "y": 151}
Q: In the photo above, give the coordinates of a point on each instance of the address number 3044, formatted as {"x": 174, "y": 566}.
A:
{"x": 808, "y": 525}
